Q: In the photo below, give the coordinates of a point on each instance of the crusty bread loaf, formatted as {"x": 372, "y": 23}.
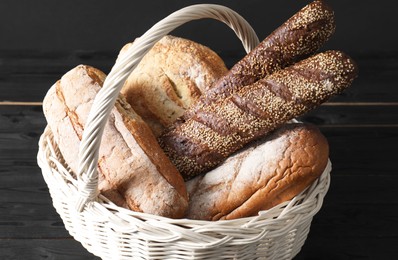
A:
{"x": 227, "y": 124}
{"x": 133, "y": 170}
{"x": 270, "y": 171}
{"x": 299, "y": 37}
{"x": 170, "y": 77}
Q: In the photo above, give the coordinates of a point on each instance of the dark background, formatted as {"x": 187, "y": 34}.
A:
{"x": 41, "y": 40}
{"x": 362, "y": 26}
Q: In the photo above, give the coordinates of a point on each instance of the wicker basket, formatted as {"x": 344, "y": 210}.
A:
{"x": 112, "y": 232}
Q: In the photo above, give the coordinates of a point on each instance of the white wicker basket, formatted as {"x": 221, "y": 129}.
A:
{"x": 112, "y": 232}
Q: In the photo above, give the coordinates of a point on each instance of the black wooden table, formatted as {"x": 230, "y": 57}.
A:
{"x": 359, "y": 218}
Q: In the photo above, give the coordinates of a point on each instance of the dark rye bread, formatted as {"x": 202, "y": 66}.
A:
{"x": 227, "y": 124}
{"x": 299, "y": 37}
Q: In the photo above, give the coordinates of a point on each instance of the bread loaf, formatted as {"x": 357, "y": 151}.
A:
{"x": 270, "y": 171}
{"x": 133, "y": 170}
{"x": 299, "y": 37}
{"x": 227, "y": 124}
{"x": 170, "y": 77}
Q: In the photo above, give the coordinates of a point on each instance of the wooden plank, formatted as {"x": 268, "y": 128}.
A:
{"x": 329, "y": 114}
{"x": 27, "y": 76}
{"x": 27, "y": 210}
{"x": 353, "y": 231}
{"x": 59, "y": 249}
{"x": 377, "y": 79}
{"x": 20, "y": 129}
{"x": 372, "y": 190}
{"x": 358, "y": 219}
{"x": 26, "y": 207}
{"x": 353, "y": 149}
{"x": 22, "y": 119}
{"x": 27, "y": 87}
{"x": 363, "y": 150}
{"x": 352, "y": 220}
{"x": 338, "y": 248}
{"x": 314, "y": 248}
{"x": 354, "y": 114}
{"x": 51, "y": 62}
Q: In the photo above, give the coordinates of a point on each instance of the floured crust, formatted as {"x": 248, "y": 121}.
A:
{"x": 132, "y": 167}
{"x": 170, "y": 77}
{"x": 270, "y": 171}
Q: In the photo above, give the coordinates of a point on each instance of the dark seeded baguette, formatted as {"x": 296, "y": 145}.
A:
{"x": 299, "y": 37}
{"x": 227, "y": 124}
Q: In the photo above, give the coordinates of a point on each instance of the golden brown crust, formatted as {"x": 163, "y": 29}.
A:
{"x": 270, "y": 171}
{"x": 131, "y": 164}
{"x": 227, "y": 124}
{"x": 171, "y": 76}
{"x": 148, "y": 143}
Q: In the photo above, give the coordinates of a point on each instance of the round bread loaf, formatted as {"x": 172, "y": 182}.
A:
{"x": 170, "y": 77}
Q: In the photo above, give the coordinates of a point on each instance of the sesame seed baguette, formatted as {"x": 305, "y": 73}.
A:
{"x": 299, "y": 37}
{"x": 226, "y": 125}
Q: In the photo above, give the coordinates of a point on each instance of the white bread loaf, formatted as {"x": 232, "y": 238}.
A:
{"x": 170, "y": 78}
{"x": 268, "y": 172}
{"x": 133, "y": 170}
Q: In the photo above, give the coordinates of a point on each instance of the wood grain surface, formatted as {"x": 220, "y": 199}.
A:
{"x": 42, "y": 40}
{"x": 359, "y": 218}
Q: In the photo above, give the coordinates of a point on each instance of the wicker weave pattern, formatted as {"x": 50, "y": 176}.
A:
{"x": 112, "y": 232}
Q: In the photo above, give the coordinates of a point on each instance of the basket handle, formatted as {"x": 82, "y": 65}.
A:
{"x": 106, "y": 97}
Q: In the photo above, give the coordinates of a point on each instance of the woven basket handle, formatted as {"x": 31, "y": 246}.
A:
{"x": 106, "y": 97}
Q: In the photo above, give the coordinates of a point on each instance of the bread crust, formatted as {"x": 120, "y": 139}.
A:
{"x": 170, "y": 78}
{"x": 133, "y": 170}
{"x": 266, "y": 173}
{"x": 297, "y": 38}
{"x": 227, "y": 124}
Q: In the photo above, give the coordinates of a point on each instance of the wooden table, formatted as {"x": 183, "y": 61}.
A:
{"x": 359, "y": 218}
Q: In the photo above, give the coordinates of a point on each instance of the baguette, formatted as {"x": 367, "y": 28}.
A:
{"x": 263, "y": 175}
{"x": 299, "y": 37}
{"x": 226, "y": 125}
{"x": 133, "y": 170}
